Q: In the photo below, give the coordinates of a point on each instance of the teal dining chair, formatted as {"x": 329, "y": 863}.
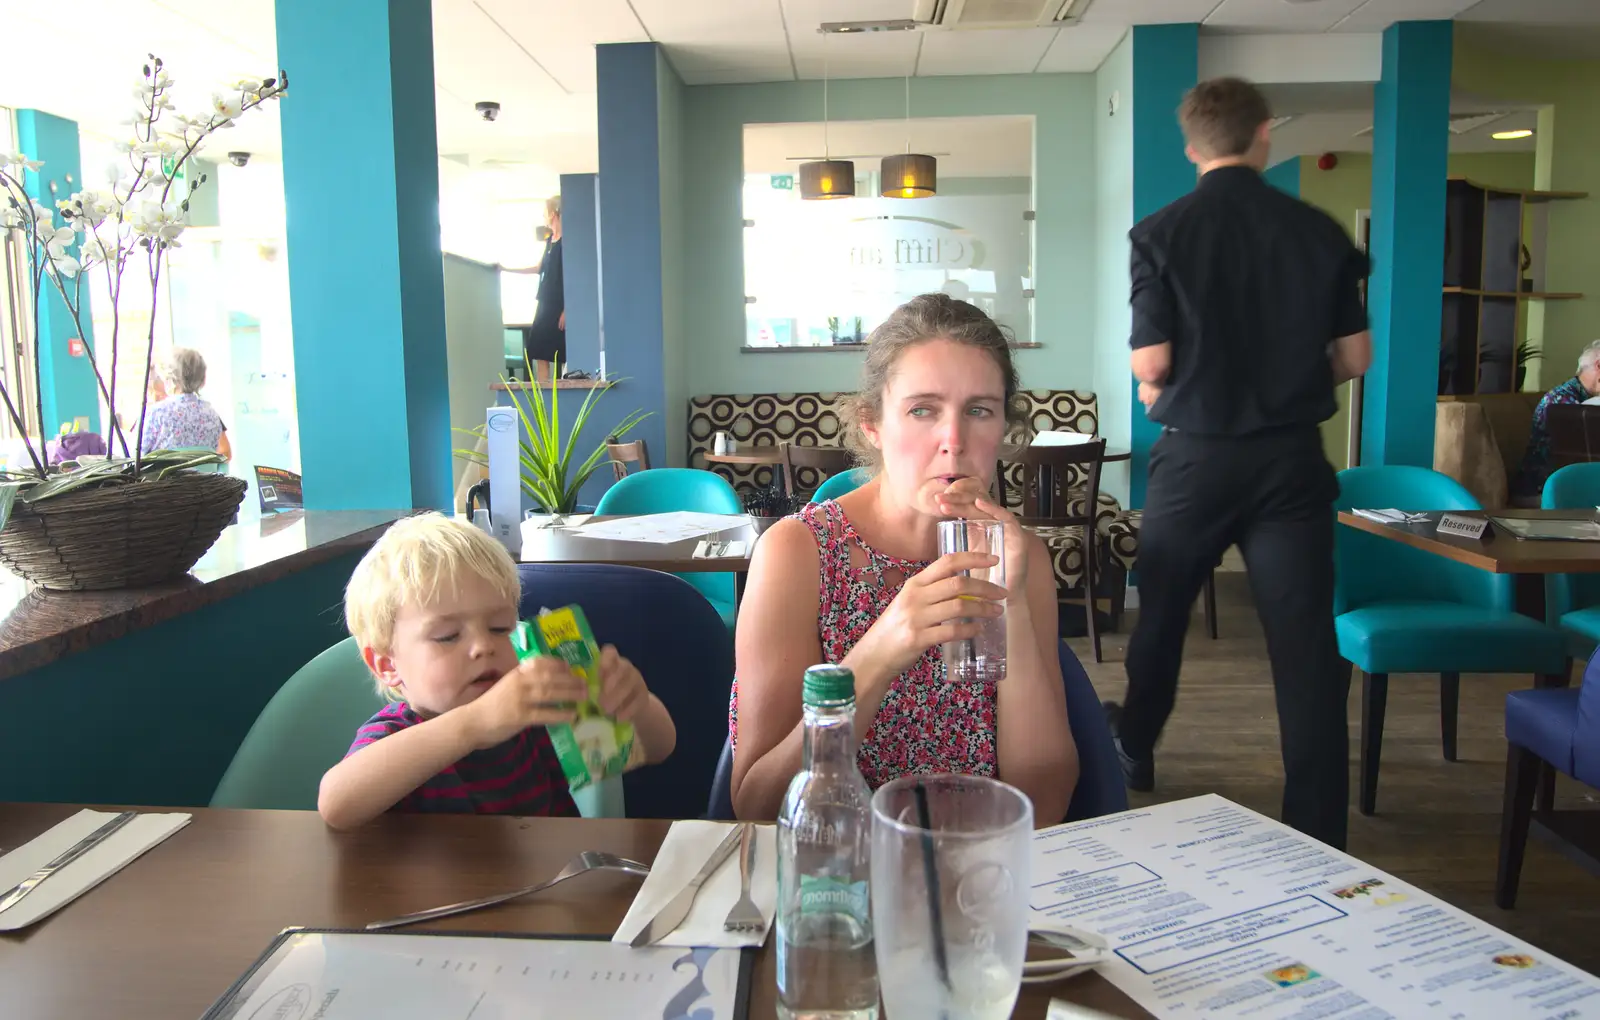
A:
{"x": 1403, "y": 610}
{"x": 303, "y": 732}
{"x": 663, "y": 490}
{"x": 1572, "y": 601}
{"x": 841, "y": 483}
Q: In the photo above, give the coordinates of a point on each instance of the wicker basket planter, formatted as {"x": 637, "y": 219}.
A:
{"x": 119, "y": 536}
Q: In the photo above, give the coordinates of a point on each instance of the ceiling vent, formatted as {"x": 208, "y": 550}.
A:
{"x": 978, "y": 14}
{"x": 1460, "y": 123}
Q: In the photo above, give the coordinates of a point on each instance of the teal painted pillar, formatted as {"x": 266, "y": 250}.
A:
{"x": 366, "y": 280}
{"x": 1285, "y": 176}
{"x": 1166, "y": 64}
{"x": 66, "y": 383}
{"x": 1410, "y": 143}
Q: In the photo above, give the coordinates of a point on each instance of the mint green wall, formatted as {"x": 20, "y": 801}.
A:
{"x": 1113, "y": 198}
{"x": 677, "y": 363}
{"x": 968, "y": 186}
{"x": 712, "y": 176}
{"x": 155, "y": 717}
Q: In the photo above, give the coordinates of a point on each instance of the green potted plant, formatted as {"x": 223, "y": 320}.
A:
{"x": 138, "y": 516}
{"x": 1526, "y": 351}
{"x": 552, "y": 475}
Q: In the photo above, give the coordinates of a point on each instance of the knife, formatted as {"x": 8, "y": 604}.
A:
{"x": 77, "y": 850}
{"x": 670, "y": 916}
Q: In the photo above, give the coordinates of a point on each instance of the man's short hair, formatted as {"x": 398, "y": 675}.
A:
{"x": 1220, "y": 117}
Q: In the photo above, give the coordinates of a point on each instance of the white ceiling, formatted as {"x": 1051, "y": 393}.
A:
{"x": 536, "y": 57}
{"x": 1338, "y": 118}
{"x": 964, "y": 146}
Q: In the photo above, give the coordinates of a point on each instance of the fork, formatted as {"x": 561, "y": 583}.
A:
{"x": 588, "y": 860}
{"x": 745, "y": 915}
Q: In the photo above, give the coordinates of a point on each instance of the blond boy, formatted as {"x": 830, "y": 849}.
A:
{"x": 432, "y": 606}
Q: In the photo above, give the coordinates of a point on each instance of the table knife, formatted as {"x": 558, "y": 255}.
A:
{"x": 677, "y": 908}
{"x": 77, "y": 850}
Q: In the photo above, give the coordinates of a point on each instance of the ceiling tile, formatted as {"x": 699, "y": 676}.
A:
{"x": 475, "y": 60}
{"x": 1081, "y": 47}
{"x": 712, "y": 64}
{"x": 1277, "y": 16}
{"x": 757, "y": 22}
{"x": 996, "y": 51}
{"x": 1375, "y": 17}
{"x": 1147, "y": 12}
{"x": 562, "y": 35}
{"x": 873, "y": 55}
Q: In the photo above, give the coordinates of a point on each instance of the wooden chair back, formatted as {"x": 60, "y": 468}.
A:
{"x": 1046, "y": 475}
{"x": 1574, "y": 434}
{"x": 623, "y": 454}
{"x": 806, "y": 467}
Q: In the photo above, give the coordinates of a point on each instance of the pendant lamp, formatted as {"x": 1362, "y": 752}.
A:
{"x": 908, "y": 174}
{"x": 825, "y": 177}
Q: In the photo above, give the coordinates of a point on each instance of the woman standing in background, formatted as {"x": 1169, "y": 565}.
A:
{"x": 546, "y": 340}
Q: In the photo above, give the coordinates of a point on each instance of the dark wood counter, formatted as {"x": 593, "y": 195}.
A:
{"x": 40, "y": 627}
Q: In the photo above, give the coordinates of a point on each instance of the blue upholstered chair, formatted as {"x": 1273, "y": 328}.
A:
{"x": 1572, "y": 601}
{"x": 839, "y": 484}
{"x": 663, "y": 490}
{"x": 1548, "y": 728}
{"x": 1100, "y": 789}
{"x": 680, "y": 646}
{"x": 1403, "y": 610}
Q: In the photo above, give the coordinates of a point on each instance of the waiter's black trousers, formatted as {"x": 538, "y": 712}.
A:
{"x": 1272, "y": 496}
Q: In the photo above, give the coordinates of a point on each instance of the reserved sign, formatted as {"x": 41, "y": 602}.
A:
{"x": 1463, "y": 527}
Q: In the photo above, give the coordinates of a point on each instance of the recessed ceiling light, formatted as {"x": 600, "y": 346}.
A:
{"x": 1509, "y": 136}
{"x": 851, "y": 27}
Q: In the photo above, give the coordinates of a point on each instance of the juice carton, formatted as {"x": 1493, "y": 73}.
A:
{"x": 595, "y": 747}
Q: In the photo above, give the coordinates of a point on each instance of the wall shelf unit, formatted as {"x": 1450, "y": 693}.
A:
{"x": 1493, "y": 270}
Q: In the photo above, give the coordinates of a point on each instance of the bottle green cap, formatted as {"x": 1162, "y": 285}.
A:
{"x": 829, "y": 685}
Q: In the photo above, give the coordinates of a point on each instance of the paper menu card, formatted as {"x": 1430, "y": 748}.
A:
{"x": 334, "y": 975}
{"x": 95, "y": 866}
{"x": 663, "y": 529}
{"x": 1213, "y": 910}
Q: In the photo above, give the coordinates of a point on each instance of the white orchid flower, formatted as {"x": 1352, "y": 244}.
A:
{"x": 159, "y": 222}
{"x": 18, "y": 161}
{"x": 64, "y": 265}
{"x": 56, "y": 240}
{"x": 11, "y": 218}
{"x": 156, "y": 147}
{"x": 95, "y": 251}
{"x": 227, "y": 107}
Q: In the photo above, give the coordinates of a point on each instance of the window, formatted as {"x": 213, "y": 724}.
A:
{"x": 16, "y": 329}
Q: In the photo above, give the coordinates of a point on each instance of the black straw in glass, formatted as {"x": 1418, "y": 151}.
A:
{"x": 930, "y": 870}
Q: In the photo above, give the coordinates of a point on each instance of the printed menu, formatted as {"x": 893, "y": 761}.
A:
{"x": 1213, "y": 910}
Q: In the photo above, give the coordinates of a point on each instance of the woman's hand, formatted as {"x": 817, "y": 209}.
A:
{"x": 968, "y": 499}
{"x": 938, "y": 604}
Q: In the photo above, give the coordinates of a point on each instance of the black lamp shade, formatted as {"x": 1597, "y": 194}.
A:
{"x": 828, "y": 178}
{"x": 909, "y": 175}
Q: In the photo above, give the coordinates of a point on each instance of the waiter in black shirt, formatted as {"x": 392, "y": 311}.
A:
{"x": 1246, "y": 315}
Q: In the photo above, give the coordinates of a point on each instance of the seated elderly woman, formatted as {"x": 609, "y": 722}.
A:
{"x": 181, "y": 419}
{"x": 1580, "y": 389}
{"x": 858, "y": 582}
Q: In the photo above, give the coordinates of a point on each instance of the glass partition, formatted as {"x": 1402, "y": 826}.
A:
{"x": 824, "y": 273}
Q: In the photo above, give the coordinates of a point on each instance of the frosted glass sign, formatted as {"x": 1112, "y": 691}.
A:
{"x": 825, "y": 273}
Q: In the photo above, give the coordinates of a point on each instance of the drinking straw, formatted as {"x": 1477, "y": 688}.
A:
{"x": 930, "y": 872}
{"x": 967, "y": 651}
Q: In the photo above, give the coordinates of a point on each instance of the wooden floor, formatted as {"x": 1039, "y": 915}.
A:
{"x": 1438, "y": 822}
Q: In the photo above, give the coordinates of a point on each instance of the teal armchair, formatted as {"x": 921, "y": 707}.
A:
{"x": 1403, "y": 610}
{"x": 663, "y": 490}
{"x": 1572, "y": 601}
{"x": 839, "y": 484}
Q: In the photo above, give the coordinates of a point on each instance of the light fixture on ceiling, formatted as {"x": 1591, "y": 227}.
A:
{"x": 1511, "y": 136}
{"x": 827, "y": 177}
{"x": 908, "y": 174}
{"x": 852, "y": 27}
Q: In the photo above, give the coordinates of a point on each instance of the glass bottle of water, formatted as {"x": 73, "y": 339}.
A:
{"x": 826, "y": 969}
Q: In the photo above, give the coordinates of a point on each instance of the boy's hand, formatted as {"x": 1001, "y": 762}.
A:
{"x": 622, "y": 689}
{"x": 541, "y": 691}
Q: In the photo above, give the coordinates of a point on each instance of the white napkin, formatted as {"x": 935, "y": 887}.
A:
{"x": 683, "y": 852}
{"x": 1390, "y": 516}
{"x": 703, "y": 549}
{"x": 83, "y": 874}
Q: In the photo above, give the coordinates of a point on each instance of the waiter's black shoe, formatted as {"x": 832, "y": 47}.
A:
{"x": 1138, "y": 773}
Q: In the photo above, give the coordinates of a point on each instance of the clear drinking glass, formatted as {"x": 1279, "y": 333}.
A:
{"x": 972, "y": 860}
{"x": 981, "y": 659}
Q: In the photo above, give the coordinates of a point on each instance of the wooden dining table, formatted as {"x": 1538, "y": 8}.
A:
{"x": 1497, "y": 552}
{"x": 571, "y": 545}
{"x": 165, "y": 937}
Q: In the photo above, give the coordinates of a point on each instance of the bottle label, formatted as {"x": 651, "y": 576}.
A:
{"x": 822, "y": 894}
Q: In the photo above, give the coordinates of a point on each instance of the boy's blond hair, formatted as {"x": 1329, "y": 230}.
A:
{"x": 418, "y": 560}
